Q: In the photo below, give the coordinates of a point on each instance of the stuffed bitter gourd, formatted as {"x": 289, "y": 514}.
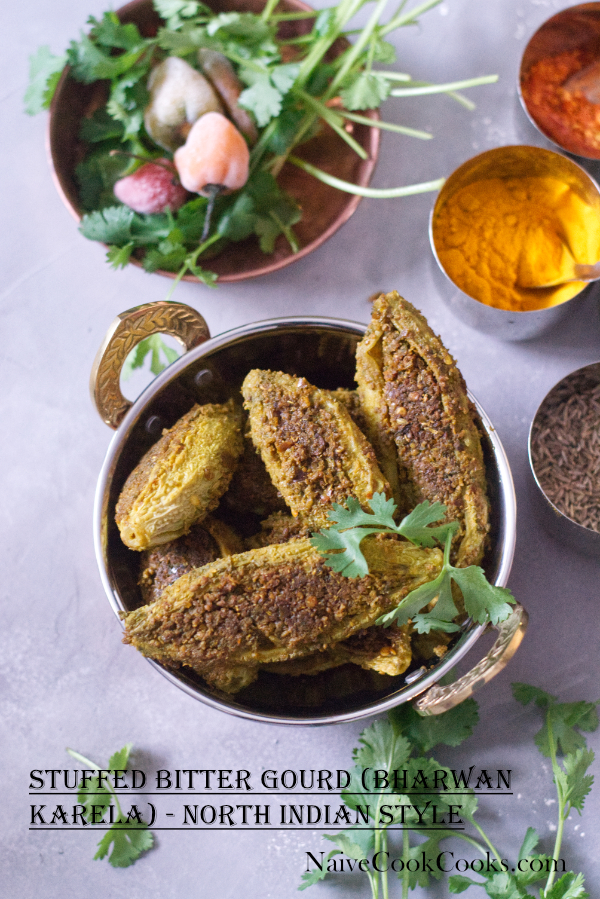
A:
{"x": 313, "y": 451}
{"x": 181, "y": 478}
{"x": 421, "y": 422}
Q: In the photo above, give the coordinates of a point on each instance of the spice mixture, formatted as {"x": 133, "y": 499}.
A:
{"x": 495, "y": 235}
{"x": 565, "y": 450}
{"x": 567, "y": 117}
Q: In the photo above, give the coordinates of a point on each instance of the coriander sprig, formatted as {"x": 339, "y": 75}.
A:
{"x": 404, "y": 742}
{"x": 290, "y": 100}
{"x": 340, "y": 545}
{"x": 128, "y": 838}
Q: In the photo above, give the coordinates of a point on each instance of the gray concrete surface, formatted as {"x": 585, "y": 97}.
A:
{"x": 66, "y": 679}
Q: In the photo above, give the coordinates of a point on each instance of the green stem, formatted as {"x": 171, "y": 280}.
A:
{"x": 287, "y": 232}
{"x": 190, "y": 261}
{"x": 384, "y": 873}
{"x": 386, "y": 126}
{"x": 374, "y": 192}
{"x": 484, "y": 837}
{"x": 343, "y": 13}
{"x": 260, "y": 147}
{"x": 561, "y": 803}
{"x": 291, "y": 16}
{"x": 409, "y": 18}
{"x": 405, "y": 872}
{"x": 394, "y": 76}
{"x": 94, "y": 767}
{"x": 334, "y": 119}
{"x": 471, "y": 841}
{"x": 421, "y": 90}
{"x": 356, "y": 49}
{"x": 269, "y": 8}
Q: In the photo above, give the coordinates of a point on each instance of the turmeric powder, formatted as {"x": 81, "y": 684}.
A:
{"x": 491, "y": 231}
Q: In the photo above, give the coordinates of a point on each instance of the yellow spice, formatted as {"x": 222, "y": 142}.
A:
{"x": 492, "y": 235}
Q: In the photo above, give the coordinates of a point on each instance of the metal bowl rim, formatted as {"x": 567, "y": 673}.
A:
{"x": 561, "y": 515}
{"x": 522, "y": 313}
{"x": 409, "y": 692}
{"x": 538, "y": 128}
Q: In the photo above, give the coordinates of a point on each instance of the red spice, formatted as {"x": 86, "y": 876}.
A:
{"x": 566, "y": 117}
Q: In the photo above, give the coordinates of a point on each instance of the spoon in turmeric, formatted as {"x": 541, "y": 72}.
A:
{"x": 549, "y": 263}
{"x": 577, "y": 272}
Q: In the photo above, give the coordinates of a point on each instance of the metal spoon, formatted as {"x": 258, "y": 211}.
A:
{"x": 574, "y": 271}
{"x": 587, "y": 81}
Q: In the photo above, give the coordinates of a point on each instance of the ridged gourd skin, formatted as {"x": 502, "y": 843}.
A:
{"x": 271, "y": 604}
{"x": 384, "y": 650}
{"x": 421, "y": 422}
{"x": 205, "y": 542}
{"x": 182, "y": 477}
{"x": 313, "y": 451}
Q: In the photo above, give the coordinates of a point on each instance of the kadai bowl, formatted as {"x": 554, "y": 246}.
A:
{"x": 313, "y": 361}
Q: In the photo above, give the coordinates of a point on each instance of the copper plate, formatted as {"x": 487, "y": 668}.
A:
{"x": 324, "y": 208}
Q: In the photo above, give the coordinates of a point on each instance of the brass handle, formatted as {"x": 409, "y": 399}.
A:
{"x": 510, "y": 634}
{"x": 127, "y": 330}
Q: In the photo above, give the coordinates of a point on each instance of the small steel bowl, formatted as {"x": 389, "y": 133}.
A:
{"x": 324, "y": 209}
{"x": 558, "y": 523}
{"x": 510, "y": 162}
{"x": 575, "y": 28}
{"x": 322, "y": 350}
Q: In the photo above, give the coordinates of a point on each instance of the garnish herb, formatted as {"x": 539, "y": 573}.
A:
{"x": 404, "y": 742}
{"x": 291, "y": 88}
{"x": 340, "y": 545}
{"x": 127, "y": 837}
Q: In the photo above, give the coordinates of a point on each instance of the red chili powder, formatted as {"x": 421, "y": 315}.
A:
{"x": 567, "y": 117}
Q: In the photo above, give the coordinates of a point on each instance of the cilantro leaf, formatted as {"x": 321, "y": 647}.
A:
{"x": 535, "y": 869}
{"x": 45, "y": 70}
{"x": 109, "y": 32}
{"x": 89, "y": 62}
{"x": 570, "y": 886}
{"x": 100, "y": 126}
{"x": 526, "y": 693}
{"x": 129, "y": 836}
{"x": 312, "y": 877}
{"x": 577, "y": 783}
{"x": 358, "y": 793}
{"x": 118, "y": 761}
{"x": 529, "y": 843}
{"x": 355, "y": 842}
{"x": 176, "y": 13}
{"x": 565, "y": 719}
{"x": 458, "y": 883}
{"x": 482, "y": 600}
{"x": 262, "y": 99}
{"x": 155, "y": 346}
{"x": 419, "y": 875}
{"x": 341, "y": 550}
{"x": 382, "y": 748}
{"x": 127, "y": 843}
{"x": 504, "y": 886}
{"x": 96, "y": 176}
{"x": 111, "y": 225}
{"x": 416, "y": 526}
{"x": 118, "y": 257}
{"x": 449, "y": 729}
{"x": 94, "y": 798}
{"x": 366, "y": 90}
